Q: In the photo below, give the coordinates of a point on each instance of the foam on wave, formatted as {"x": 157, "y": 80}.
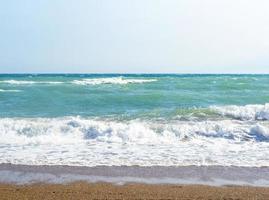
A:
{"x": 2, "y": 90}
{"x": 248, "y": 112}
{"x": 86, "y": 81}
{"x": 76, "y": 129}
{"x": 24, "y": 82}
{"x": 113, "y": 80}
{"x": 16, "y": 82}
{"x": 92, "y": 142}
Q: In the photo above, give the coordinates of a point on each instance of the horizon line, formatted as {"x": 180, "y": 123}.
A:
{"x": 122, "y": 73}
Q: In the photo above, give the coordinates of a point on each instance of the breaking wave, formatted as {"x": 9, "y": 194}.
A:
{"x": 23, "y": 82}
{"x": 74, "y": 129}
{"x": 87, "y": 81}
{"x": 92, "y": 142}
{"x": 113, "y": 80}
{"x": 248, "y": 112}
{"x": 2, "y": 90}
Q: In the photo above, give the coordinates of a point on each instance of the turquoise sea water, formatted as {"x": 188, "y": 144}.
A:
{"x": 136, "y": 119}
{"x": 113, "y": 96}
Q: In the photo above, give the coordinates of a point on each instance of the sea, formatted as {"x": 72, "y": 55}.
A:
{"x": 134, "y": 119}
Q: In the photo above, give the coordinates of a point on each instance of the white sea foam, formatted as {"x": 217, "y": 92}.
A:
{"x": 248, "y": 112}
{"x": 52, "y": 82}
{"x": 2, "y": 90}
{"x": 113, "y": 80}
{"x": 86, "y": 81}
{"x": 16, "y": 82}
{"x": 91, "y": 142}
{"x": 24, "y": 82}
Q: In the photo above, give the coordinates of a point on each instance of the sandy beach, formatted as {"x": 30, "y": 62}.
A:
{"x": 82, "y": 190}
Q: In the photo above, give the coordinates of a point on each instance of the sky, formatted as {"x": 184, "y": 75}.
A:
{"x": 134, "y": 36}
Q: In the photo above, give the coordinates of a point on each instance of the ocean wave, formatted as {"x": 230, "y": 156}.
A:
{"x": 15, "y": 82}
{"x": 93, "y": 142}
{"x": 248, "y": 112}
{"x": 87, "y": 81}
{"x": 2, "y": 90}
{"x": 75, "y": 129}
{"x": 24, "y": 82}
{"x": 113, "y": 80}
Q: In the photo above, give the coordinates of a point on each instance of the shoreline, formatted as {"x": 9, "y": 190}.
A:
{"x": 133, "y": 182}
{"x": 120, "y": 175}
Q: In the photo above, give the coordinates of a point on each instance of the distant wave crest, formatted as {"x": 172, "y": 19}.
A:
{"x": 113, "y": 80}
{"x": 2, "y": 90}
{"x": 24, "y": 82}
{"x": 86, "y": 81}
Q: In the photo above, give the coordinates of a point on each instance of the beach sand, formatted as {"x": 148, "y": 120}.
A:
{"x": 83, "y": 190}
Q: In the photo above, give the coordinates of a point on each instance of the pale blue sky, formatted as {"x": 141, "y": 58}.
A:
{"x": 134, "y": 36}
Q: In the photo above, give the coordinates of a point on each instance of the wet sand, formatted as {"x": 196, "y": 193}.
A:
{"x": 82, "y": 190}
{"x": 133, "y": 182}
{"x": 181, "y": 175}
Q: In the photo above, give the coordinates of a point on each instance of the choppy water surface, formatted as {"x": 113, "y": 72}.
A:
{"x": 145, "y": 120}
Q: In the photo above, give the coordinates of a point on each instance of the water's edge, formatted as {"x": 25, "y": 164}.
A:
{"x": 204, "y": 175}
